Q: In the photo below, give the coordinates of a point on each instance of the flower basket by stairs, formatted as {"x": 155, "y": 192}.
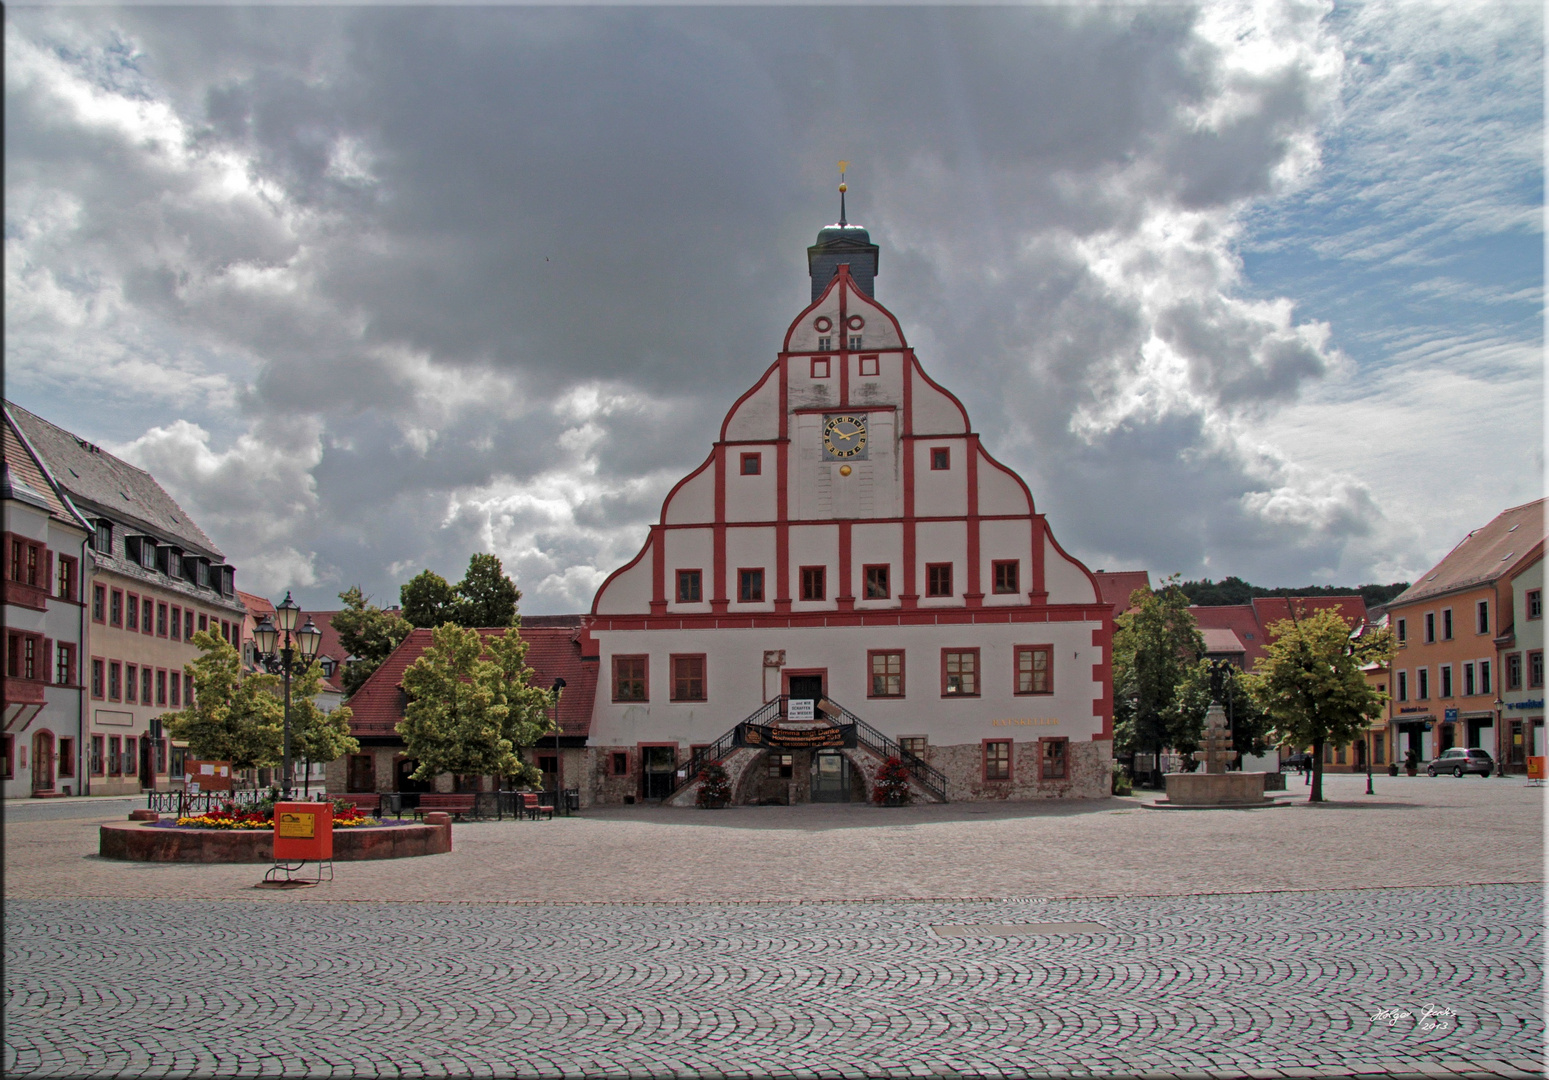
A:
{"x": 714, "y": 787}
{"x": 892, "y": 786}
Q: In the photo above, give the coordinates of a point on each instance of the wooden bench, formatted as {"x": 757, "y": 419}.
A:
{"x": 531, "y": 808}
{"x": 366, "y": 803}
{"x": 457, "y": 805}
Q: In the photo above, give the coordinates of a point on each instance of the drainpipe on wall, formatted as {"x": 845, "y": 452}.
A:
{"x": 82, "y": 757}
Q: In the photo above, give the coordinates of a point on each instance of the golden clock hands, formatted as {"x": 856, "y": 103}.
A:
{"x": 845, "y": 437}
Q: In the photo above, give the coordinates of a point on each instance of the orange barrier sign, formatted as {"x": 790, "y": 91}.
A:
{"x": 303, "y": 831}
{"x": 1535, "y": 768}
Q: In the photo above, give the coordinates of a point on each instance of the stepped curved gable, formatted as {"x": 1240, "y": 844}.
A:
{"x": 848, "y": 511}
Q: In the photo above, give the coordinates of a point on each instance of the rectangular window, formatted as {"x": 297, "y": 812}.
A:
{"x": 1423, "y": 684}
{"x": 115, "y": 754}
{"x": 226, "y": 630}
{"x": 175, "y": 697}
{"x": 1446, "y": 624}
{"x": 64, "y": 673}
{"x": 96, "y": 678}
{"x": 132, "y": 613}
{"x": 855, "y": 341}
{"x": 1379, "y": 751}
{"x": 131, "y": 755}
{"x": 825, "y": 344}
{"x": 688, "y": 678}
{"x": 132, "y": 683}
{"x": 629, "y": 679}
{"x": 1008, "y": 576}
{"x": 940, "y": 458}
{"x": 148, "y": 553}
{"x": 1444, "y": 674}
{"x": 161, "y": 756}
{"x": 1535, "y": 668}
{"x": 161, "y": 686}
{"x": 204, "y": 621}
{"x": 17, "y": 561}
{"x": 1514, "y": 671}
{"x": 161, "y": 620}
{"x": 1484, "y": 677}
{"x": 177, "y": 766}
{"x": 1403, "y": 686}
{"x": 959, "y": 672}
{"x": 66, "y": 585}
{"x": 103, "y": 540}
{"x": 1535, "y": 603}
{"x": 814, "y": 583}
{"x": 870, "y": 366}
{"x": 188, "y": 625}
{"x": 938, "y": 579}
{"x": 145, "y": 685}
{"x": 782, "y": 766}
{"x": 750, "y": 586}
{"x": 997, "y": 759}
{"x": 1053, "y": 753}
{"x": 914, "y": 744}
{"x": 1403, "y": 630}
{"x": 115, "y": 681}
{"x": 820, "y": 365}
{"x": 116, "y": 608}
{"x": 1430, "y": 627}
{"x": 1035, "y": 669}
{"x": 99, "y": 594}
{"x": 620, "y": 763}
{"x": 689, "y": 591}
{"x": 1468, "y": 680}
{"x": 177, "y": 624}
{"x": 887, "y": 673}
{"x": 1484, "y": 616}
{"x": 752, "y": 464}
{"x": 877, "y": 587}
{"x": 96, "y": 755}
{"x": 66, "y": 757}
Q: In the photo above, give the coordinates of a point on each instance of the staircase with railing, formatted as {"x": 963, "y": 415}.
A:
{"x": 929, "y": 779}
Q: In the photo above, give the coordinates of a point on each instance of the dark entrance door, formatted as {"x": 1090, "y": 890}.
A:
{"x": 830, "y": 776}
{"x": 403, "y": 770}
{"x": 809, "y": 687}
{"x": 659, "y": 773}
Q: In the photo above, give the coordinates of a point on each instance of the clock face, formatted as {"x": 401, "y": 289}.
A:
{"x": 844, "y": 437}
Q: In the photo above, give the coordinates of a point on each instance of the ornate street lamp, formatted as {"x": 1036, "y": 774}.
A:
{"x": 284, "y": 650}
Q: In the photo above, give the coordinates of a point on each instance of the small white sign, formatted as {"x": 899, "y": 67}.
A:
{"x": 207, "y": 770}
{"x": 193, "y": 787}
{"x": 801, "y": 709}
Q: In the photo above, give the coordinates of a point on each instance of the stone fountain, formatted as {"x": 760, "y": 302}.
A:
{"x": 1214, "y": 785}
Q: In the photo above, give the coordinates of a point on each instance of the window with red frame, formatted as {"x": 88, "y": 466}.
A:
{"x": 878, "y": 587}
{"x": 1035, "y": 669}
{"x": 820, "y": 367}
{"x": 145, "y": 685}
{"x": 959, "y": 672}
{"x": 1535, "y": 668}
{"x": 66, "y": 582}
{"x": 938, "y": 579}
{"x": 161, "y": 686}
{"x": 147, "y": 615}
{"x": 177, "y": 624}
{"x": 1008, "y": 577}
{"x": 22, "y": 656}
{"x": 95, "y": 763}
{"x": 132, "y": 683}
{"x": 940, "y": 458}
{"x": 1052, "y": 754}
{"x": 688, "y": 678}
{"x": 204, "y": 621}
{"x": 752, "y": 464}
{"x": 750, "y": 586}
{"x": 161, "y": 620}
{"x": 629, "y": 679}
{"x": 64, "y": 672}
{"x": 814, "y": 583}
{"x": 116, "y": 608}
{"x": 132, "y": 613}
{"x": 115, "y": 755}
{"x": 96, "y": 678}
{"x": 887, "y": 673}
{"x": 1514, "y": 671}
{"x": 115, "y": 681}
{"x": 997, "y": 759}
{"x": 869, "y": 366}
{"x": 690, "y": 590}
{"x": 176, "y": 693}
{"x": 99, "y": 599}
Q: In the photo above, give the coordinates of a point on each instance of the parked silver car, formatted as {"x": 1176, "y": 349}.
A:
{"x": 1458, "y": 761}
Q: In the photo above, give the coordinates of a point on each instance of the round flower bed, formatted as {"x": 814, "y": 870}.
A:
{"x": 345, "y": 816}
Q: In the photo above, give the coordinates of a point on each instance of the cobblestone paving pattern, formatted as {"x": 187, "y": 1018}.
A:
{"x": 1216, "y": 985}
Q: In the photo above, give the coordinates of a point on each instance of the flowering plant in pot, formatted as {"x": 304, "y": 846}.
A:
{"x": 892, "y": 786}
{"x": 714, "y": 786}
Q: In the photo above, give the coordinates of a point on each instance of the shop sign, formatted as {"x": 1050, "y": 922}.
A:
{"x": 801, "y": 709}
{"x": 1450, "y": 715}
{"x": 1533, "y": 703}
{"x": 786, "y": 738}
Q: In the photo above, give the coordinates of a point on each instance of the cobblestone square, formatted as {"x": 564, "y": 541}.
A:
{"x": 1299, "y": 940}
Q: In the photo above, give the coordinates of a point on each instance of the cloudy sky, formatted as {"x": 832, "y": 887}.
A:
{"x": 1247, "y": 288}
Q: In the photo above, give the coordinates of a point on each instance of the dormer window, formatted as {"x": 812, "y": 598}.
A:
{"x": 174, "y": 566}
{"x": 201, "y": 573}
{"x": 103, "y": 540}
{"x": 148, "y": 552}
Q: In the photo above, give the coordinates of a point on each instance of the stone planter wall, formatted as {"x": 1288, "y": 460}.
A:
{"x": 138, "y": 841}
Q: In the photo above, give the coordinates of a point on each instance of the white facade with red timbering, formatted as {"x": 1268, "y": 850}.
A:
{"x": 848, "y": 524}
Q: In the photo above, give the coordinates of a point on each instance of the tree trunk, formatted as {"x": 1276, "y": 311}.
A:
{"x": 1317, "y": 771}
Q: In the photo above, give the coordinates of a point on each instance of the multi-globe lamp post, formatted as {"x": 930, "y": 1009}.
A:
{"x": 286, "y": 649}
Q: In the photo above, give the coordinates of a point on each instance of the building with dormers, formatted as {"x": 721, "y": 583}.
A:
{"x": 152, "y": 579}
{"x": 850, "y": 575}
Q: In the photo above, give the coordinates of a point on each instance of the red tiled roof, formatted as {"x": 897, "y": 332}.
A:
{"x": 1250, "y": 622}
{"x": 1272, "y": 609}
{"x": 1117, "y": 585}
{"x": 552, "y": 652}
{"x": 1483, "y": 555}
{"x": 1223, "y": 642}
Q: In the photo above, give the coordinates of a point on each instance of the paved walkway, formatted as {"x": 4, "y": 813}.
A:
{"x": 1386, "y": 982}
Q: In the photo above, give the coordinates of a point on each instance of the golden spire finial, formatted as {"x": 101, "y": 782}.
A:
{"x": 843, "y": 187}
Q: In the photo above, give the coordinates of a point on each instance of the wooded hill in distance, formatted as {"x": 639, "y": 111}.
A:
{"x": 1234, "y": 590}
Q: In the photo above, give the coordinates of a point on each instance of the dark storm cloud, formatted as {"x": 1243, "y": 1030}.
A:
{"x": 515, "y": 263}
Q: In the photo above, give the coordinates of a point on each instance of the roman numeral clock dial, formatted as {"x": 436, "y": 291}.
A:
{"x": 844, "y": 438}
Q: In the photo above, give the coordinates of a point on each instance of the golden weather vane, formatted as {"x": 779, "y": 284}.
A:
{"x": 843, "y": 187}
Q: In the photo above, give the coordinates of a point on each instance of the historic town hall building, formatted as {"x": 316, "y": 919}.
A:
{"x": 849, "y": 542}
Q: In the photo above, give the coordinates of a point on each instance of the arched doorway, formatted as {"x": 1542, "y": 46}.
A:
{"x": 43, "y": 761}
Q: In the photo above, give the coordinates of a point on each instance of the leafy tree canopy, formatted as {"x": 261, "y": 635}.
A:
{"x": 316, "y": 735}
{"x": 1153, "y": 647}
{"x": 233, "y": 716}
{"x": 367, "y": 633}
{"x": 471, "y": 709}
{"x": 1310, "y": 682}
{"x": 1186, "y": 716}
{"x": 428, "y": 600}
{"x": 1234, "y": 590}
{"x": 484, "y": 597}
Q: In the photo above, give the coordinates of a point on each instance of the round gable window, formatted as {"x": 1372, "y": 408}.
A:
{"x": 855, "y": 322}
{"x": 822, "y": 324}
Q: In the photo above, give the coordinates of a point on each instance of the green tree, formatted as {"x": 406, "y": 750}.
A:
{"x": 1153, "y": 647}
{"x": 316, "y": 735}
{"x": 1186, "y": 716}
{"x": 471, "y": 708}
{"x": 1310, "y": 682}
{"x": 233, "y": 715}
{"x": 486, "y": 596}
{"x": 428, "y": 600}
{"x": 368, "y": 634}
